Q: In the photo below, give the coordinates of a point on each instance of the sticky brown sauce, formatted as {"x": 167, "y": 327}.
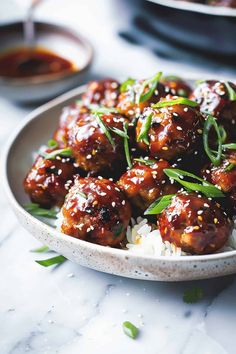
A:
{"x": 27, "y": 62}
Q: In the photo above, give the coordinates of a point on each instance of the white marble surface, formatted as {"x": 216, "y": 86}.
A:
{"x": 74, "y": 310}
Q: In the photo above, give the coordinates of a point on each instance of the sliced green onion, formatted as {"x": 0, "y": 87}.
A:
{"x": 83, "y": 195}
{"x": 52, "y": 261}
{"x": 231, "y": 92}
{"x": 152, "y": 83}
{"x": 231, "y": 146}
{"x": 126, "y": 146}
{"x": 119, "y": 132}
{"x": 41, "y": 249}
{"x": 159, "y": 205}
{"x": 199, "y": 82}
{"x": 130, "y": 330}
{"x": 104, "y": 128}
{"x": 146, "y": 125}
{"x": 103, "y": 110}
{"x": 171, "y": 78}
{"x": 208, "y": 189}
{"x": 52, "y": 143}
{"x": 67, "y": 152}
{"x": 193, "y": 295}
{"x": 222, "y": 133}
{"x": 36, "y": 210}
{"x": 229, "y": 167}
{"x": 214, "y": 157}
{"x": 179, "y": 100}
{"x": 147, "y": 162}
{"x": 181, "y": 92}
{"x": 126, "y": 84}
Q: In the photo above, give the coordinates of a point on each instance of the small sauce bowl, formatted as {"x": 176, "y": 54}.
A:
{"x": 57, "y": 40}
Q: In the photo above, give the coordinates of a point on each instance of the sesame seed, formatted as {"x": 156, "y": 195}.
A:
{"x": 179, "y": 128}
{"x": 199, "y": 217}
{"x": 123, "y": 202}
{"x": 113, "y": 204}
{"x": 215, "y": 220}
{"x": 164, "y": 148}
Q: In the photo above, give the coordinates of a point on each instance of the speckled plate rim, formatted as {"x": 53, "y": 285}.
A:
{"x": 119, "y": 254}
{"x": 194, "y": 7}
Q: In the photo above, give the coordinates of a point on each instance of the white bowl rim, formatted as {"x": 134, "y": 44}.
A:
{"x": 195, "y": 7}
{"x": 85, "y": 244}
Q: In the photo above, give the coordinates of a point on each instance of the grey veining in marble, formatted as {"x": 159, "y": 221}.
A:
{"x": 74, "y": 310}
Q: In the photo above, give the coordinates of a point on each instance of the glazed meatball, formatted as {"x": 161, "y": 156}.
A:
{"x": 224, "y": 176}
{"x": 143, "y": 184}
{"x": 92, "y": 149}
{"x": 213, "y": 98}
{"x": 129, "y": 101}
{"x": 68, "y": 117}
{"x": 97, "y": 211}
{"x": 195, "y": 224}
{"x": 48, "y": 181}
{"x": 102, "y": 93}
{"x": 176, "y": 86}
{"x": 175, "y": 130}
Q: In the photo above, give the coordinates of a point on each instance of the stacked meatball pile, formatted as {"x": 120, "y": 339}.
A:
{"x": 101, "y": 184}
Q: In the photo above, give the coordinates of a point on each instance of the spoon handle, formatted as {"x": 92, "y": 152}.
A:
{"x": 29, "y": 26}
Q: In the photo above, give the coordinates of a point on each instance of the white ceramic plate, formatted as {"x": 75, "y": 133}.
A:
{"x": 17, "y": 159}
{"x": 194, "y": 7}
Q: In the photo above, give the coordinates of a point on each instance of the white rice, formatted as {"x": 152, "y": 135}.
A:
{"x": 145, "y": 239}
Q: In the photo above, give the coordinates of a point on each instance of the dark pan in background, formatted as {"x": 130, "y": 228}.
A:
{"x": 200, "y": 29}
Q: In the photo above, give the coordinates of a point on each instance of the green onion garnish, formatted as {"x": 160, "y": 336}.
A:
{"x": 103, "y": 110}
{"x": 147, "y": 162}
{"x": 126, "y": 85}
{"x": 104, "y": 128}
{"x": 119, "y": 132}
{"x": 159, "y": 205}
{"x": 179, "y": 100}
{"x": 36, "y": 210}
{"x": 214, "y": 157}
{"x": 126, "y": 146}
{"x": 229, "y": 167}
{"x": 231, "y": 92}
{"x": 146, "y": 125}
{"x": 208, "y": 189}
{"x": 130, "y": 330}
{"x": 152, "y": 83}
{"x": 52, "y": 143}
{"x": 231, "y": 146}
{"x": 52, "y": 261}
{"x": 41, "y": 249}
{"x": 67, "y": 152}
{"x": 193, "y": 295}
{"x": 222, "y": 133}
{"x": 83, "y": 195}
{"x": 171, "y": 78}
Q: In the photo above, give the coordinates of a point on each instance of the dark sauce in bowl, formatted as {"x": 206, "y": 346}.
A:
{"x": 28, "y": 62}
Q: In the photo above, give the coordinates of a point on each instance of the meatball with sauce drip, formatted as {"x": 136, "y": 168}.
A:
{"x": 224, "y": 176}
{"x": 145, "y": 182}
{"x": 68, "y": 117}
{"x": 213, "y": 98}
{"x": 174, "y": 130}
{"x": 176, "y": 86}
{"x": 103, "y": 93}
{"x": 194, "y": 223}
{"x": 129, "y": 102}
{"x": 92, "y": 149}
{"x": 48, "y": 181}
{"x": 96, "y": 210}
